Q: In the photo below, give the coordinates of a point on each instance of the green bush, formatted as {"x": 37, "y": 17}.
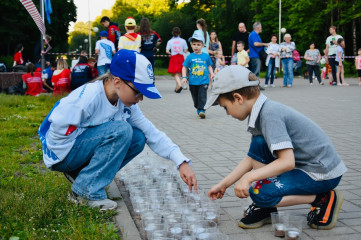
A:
{"x": 8, "y": 60}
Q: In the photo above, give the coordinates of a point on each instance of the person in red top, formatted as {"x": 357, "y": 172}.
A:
{"x": 113, "y": 30}
{"x": 32, "y": 81}
{"x": 18, "y": 59}
{"x": 61, "y": 78}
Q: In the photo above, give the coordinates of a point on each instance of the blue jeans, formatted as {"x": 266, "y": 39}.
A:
{"x": 103, "y": 69}
{"x": 287, "y": 64}
{"x": 255, "y": 66}
{"x": 271, "y": 70}
{"x": 101, "y": 152}
{"x": 269, "y": 192}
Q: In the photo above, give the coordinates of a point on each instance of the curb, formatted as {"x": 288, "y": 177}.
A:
{"x": 123, "y": 219}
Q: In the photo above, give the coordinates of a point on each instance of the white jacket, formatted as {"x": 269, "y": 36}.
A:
{"x": 88, "y": 106}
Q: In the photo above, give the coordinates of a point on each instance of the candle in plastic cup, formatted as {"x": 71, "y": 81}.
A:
{"x": 292, "y": 235}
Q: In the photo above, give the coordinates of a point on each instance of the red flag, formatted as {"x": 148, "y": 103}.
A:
{"x": 34, "y": 13}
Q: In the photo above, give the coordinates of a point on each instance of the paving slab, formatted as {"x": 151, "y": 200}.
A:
{"x": 217, "y": 144}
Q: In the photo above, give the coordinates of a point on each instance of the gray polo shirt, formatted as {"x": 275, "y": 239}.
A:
{"x": 283, "y": 127}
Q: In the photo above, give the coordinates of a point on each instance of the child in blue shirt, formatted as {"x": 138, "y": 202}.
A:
{"x": 200, "y": 70}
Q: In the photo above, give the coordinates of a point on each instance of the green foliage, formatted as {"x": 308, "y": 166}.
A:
{"x": 18, "y": 27}
{"x": 33, "y": 199}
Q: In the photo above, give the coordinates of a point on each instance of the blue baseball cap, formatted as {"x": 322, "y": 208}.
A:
{"x": 133, "y": 67}
{"x": 198, "y": 36}
{"x": 103, "y": 34}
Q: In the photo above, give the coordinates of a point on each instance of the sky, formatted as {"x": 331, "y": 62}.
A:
{"x": 96, "y": 7}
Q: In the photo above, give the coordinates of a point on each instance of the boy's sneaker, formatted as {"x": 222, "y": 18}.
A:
{"x": 324, "y": 213}
{"x": 70, "y": 177}
{"x": 103, "y": 205}
{"x": 256, "y": 217}
{"x": 266, "y": 86}
{"x": 202, "y": 114}
{"x": 272, "y": 85}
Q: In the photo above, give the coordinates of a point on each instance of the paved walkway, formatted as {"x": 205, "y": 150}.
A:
{"x": 217, "y": 144}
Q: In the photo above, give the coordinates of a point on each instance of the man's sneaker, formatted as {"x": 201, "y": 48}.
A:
{"x": 324, "y": 213}
{"x": 266, "y": 86}
{"x": 103, "y": 205}
{"x": 272, "y": 85}
{"x": 256, "y": 217}
{"x": 202, "y": 114}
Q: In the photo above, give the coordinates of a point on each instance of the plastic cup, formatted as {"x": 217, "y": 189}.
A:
{"x": 279, "y": 219}
{"x": 294, "y": 227}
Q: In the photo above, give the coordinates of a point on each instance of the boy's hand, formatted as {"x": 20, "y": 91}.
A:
{"x": 217, "y": 191}
{"x": 186, "y": 173}
{"x": 184, "y": 81}
{"x": 241, "y": 189}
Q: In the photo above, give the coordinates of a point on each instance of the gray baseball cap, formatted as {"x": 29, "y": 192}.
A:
{"x": 229, "y": 79}
{"x": 197, "y": 36}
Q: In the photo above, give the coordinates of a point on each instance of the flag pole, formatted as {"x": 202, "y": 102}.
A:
{"x": 42, "y": 37}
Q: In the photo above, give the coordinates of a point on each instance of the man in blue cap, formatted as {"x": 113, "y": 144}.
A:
{"x": 104, "y": 50}
{"x": 98, "y": 128}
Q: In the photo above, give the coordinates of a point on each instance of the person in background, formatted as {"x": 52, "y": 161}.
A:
{"x": 61, "y": 78}
{"x": 80, "y": 74}
{"x": 39, "y": 51}
{"x": 358, "y": 65}
{"x": 214, "y": 45}
{"x": 176, "y": 46}
{"x": 47, "y": 74}
{"x": 199, "y": 67}
{"x": 313, "y": 57}
{"x": 104, "y": 50}
{"x": 75, "y": 61}
{"x": 340, "y": 57}
{"x": 32, "y": 81}
{"x": 130, "y": 40}
{"x": 150, "y": 40}
{"x": 297, "y": 62}
{"x": 241, "y": 56}
{"x": 331, "y": 45}
{"x": 18, "y": 64}
{"x": 220, "y": 61}
{"x": 113, "y": 30}
{"x": 202, "y": 29}
{"x": 241, "y": 35}
{"x": 93, "y": 69}
{"x": 286, "y": 54}
{"x": 255, "y": 46}
{"x": 272, "y": 61}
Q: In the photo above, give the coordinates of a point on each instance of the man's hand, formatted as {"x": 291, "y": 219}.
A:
{"x": 184, "y": 81}
{"x": 186, "y": 173}
{"x": 241, "y": 189}
{"x": 217, "y": 191}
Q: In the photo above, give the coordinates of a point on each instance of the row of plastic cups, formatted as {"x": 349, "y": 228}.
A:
{"x": 288, "y": 226}
{"x": 199, "y": 230}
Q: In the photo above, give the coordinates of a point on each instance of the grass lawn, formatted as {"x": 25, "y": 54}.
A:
{"x": 33, "y": 199}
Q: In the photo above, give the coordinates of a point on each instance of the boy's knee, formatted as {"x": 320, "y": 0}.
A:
{"x": 258, "y": 142}
{"x": 123, "y": 130}
{"x": 138, "y": 139}
{"x": 263, "y": 199}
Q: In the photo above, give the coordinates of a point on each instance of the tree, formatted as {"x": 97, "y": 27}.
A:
{"x": 18, "y": 27}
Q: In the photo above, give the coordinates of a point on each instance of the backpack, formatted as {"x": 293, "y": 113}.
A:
{"x": 296, "y": 56}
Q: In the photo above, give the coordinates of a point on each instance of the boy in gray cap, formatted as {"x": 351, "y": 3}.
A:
{"x": 290, "y": 161}
{"x": 200, "y": 69}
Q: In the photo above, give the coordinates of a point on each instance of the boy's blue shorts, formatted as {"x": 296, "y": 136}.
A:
{"x": 269, "y": 192}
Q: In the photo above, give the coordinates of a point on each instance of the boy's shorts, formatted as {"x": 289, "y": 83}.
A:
{"x": 269, "y": 192}
{"x": 359, "y": 73}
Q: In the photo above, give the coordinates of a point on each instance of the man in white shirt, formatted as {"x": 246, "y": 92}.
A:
{"x": 330, "y": 52}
